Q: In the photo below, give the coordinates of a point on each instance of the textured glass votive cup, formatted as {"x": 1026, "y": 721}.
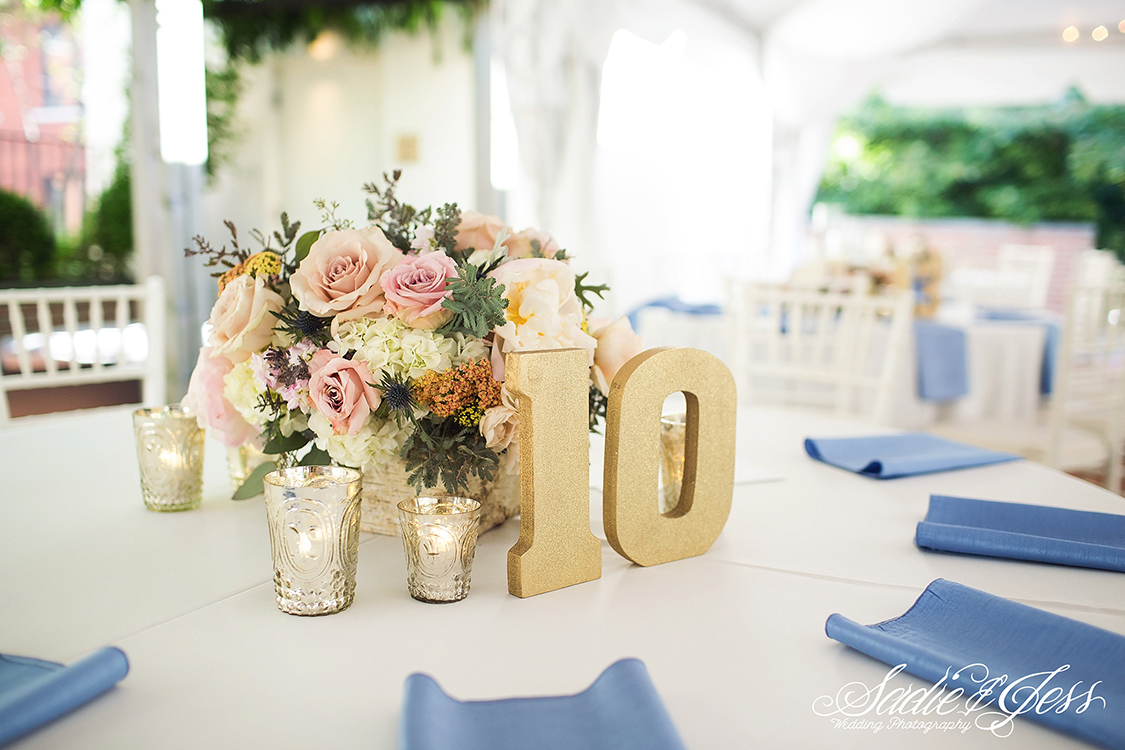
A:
{"x": 313, "y": 516}
{"x": 241, "y": 462}
{"x": 170, "y": 454}
{"x": 673, "y": 433}
{"x": 439, "y": 536}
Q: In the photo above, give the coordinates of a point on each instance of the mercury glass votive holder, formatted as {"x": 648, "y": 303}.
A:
{"x": 439, "y": 536}
{"x": 170, "y": 454}
{"x": 673, "y": 434}
{"x": 313, "y": 517}
{"x": 241, "y": 462}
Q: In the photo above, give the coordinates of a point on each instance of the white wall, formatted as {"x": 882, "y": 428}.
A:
{"x": 321, "y": 129}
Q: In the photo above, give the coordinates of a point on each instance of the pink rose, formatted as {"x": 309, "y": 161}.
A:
{"x": 415, "y": 289}
{"x": 212, "y": 410}
{"x": 340, "y": 275}
{"x": 339, "y": 389}
{"x": 521, "y": 245}
{"x": 617, "y": 344}
{"x": 477, "y": 231}
{"x": 242, "y": 319}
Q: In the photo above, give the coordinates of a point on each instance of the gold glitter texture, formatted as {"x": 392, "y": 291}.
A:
{"x": 633, "y": 524}
{"x": 556, "y": 547}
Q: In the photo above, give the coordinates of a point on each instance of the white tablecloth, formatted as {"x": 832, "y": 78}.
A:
{"x": 734, "y": 639}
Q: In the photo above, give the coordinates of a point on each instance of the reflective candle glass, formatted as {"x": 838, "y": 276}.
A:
{"x": 673, "y": 433}
{"x": 313, "y": 517}
{"x": 170, "y": 454}
{"x": 439, "y": 536}
{"x": 241, "y": 462}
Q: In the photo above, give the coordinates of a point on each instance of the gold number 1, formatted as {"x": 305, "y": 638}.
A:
{"x": 556, "y": 547}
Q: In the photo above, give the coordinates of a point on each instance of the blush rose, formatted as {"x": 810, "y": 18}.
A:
{"x": 212, "y": 410}
{"x": 415, "y": 289}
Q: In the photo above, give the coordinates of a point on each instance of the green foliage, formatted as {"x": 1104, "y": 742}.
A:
{"x": 476, "y": 301}
{"x": 27, "y": 246}
{"x": 445, "y": 229}
{"x": 251, "y": 28}
{"x": 104, "y": 248}
{"x": 397, "y": 219}
{"x": 581, "y": 290}
{"x": 443, "y": 450}
{"x": 599, "y": 405}
{"x": 254, "y": 484}
{"x": 286, "y": 444}
{"x": 1062, "y": 162}
{"x": 223, "y": 132}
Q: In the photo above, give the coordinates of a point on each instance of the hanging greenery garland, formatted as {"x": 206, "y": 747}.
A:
{"x": 251, "y": 28}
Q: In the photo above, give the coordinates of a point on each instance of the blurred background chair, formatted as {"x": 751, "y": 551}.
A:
{"x": 836, "y": 353}
{"x": 77, "y": 336}
{"x": 1083, "y": 425}
{"x": 1020, "y": 280}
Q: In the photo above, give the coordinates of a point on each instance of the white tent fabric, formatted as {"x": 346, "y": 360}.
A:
{"x": 816, "y": 58}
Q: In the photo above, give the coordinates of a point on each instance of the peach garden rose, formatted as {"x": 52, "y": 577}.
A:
{"x": 340, "y": 276}
{"x": 617, "y": 344}
{"x": 242, "y": 319}
{"x": 477, "y": 231}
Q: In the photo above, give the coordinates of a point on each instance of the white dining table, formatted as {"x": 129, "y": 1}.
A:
{"x": 733, "y": 639}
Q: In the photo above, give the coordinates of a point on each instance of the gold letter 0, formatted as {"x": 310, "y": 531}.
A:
{"x": 556, "y": 547}
{"x": 634, "y": 525}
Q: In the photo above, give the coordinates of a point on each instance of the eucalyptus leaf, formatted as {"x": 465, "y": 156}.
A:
{"x": 316, "y": 457}
{"x": 282, "y": 444}
{"x": 304, "y": 244}
{"x": 254, "y": 484}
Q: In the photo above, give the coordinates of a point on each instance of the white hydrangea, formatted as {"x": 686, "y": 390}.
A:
{"x": 378, "y": 441}
{"x": 389, "y": 345}
{"x": 421, "y": 350}
{"x": 242, "y": 389}
{"x": 468, "y": 348}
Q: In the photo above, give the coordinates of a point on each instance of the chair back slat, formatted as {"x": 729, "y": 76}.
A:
{"x": 84, "y": 335}
{"x": 833, "y": 352}
{"x": 70, "y": 324}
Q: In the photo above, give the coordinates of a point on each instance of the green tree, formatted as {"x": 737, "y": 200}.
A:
{"x": 27, "y": 246}
{"x": 1062, "y": 162}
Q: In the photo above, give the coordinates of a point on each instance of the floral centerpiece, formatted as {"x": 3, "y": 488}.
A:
{"x": 382, "y": 347}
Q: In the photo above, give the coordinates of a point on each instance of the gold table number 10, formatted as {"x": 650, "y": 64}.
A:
{"x": 556, "y": 547}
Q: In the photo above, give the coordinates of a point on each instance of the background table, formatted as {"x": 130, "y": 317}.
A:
{"x": 734, "y": 639}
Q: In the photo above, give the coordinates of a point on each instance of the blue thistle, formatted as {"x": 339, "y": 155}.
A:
{"x": 397, "y": 396}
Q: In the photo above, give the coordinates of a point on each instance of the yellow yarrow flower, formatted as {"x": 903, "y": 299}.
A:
{"x": 265, "y": 263}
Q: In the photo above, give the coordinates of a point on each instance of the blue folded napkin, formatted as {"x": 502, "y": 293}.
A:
{"x": 34, "y": 692}
{"x": 903, "y": 455}
{"x": 1050, "y": 343}
{"x": 960, "y": 637}
{"x": 943, "y": 372}
{"x": 1024, "y": 532}
{"x": 621, "y": 710}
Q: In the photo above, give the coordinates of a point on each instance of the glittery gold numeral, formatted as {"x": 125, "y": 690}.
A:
{"x": 556, "y": 548}
{"x": 633, "y": 524}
